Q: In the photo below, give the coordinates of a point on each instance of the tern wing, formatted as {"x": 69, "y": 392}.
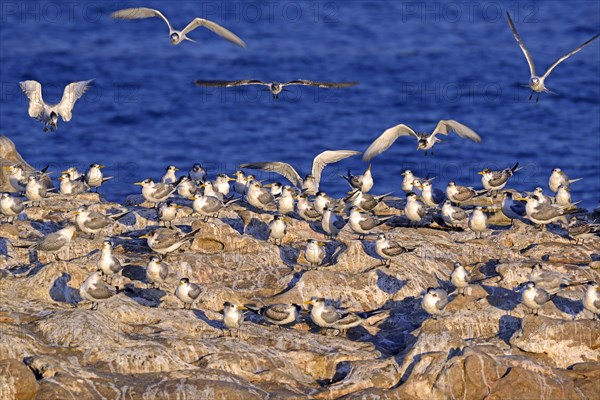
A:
{"x": 329, "y": 157}
{"x": 97, "y": 221}
{"x": 569, "y": 54}
{"x": 194, "y": 291}
{"x": 368, "y": 222}
{"x": 216, "y": 28}
{"x": 541, "y": 296}
{"x": 513, "y": 28}
{"x": 140, "y": 13}
{"x": 72, "y": 93}
{"x": 280, "y": 168}
{"x": 306, "y": 82}
{"x": 386, "y": 139}
{"x": 459, "y": 214}
{"x": 52, "y": 242}
{"x": 446, "y": 126}
{"x": 545, "y": 212}
{"x": 33, "y": 91}
{"x": 394, "y": 249}
{"x": 277, "y": 312}
{"x": 330, "y": 315}
{"x": 464, "y": 193}
{"x": 229, "y": 83}
{"x": 443, "y": 299}
{"x": 162, "y": 190}
{"x": 100, "y": 292}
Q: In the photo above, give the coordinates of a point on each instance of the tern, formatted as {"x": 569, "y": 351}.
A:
{"x": 460, "y": 278}
{"x": 91, "y": 222}
{"x": 277, "y": 314}
{"x": 107, "y": 263}
{"x": 389, "y": 249}
{"x": 363, "y": 182}
{"x": 11, "y": 206}
{"x": 95, "y": 290}
{"x": 362, "y": 224}
{"x": 72, "y": 187}
{"x": 164, "y": 241}
{"x": 277, "y": 230}
{"x": 197, "y": 173}
{"x": 326, "y": 316}
{"x": 591, "y": 299}
{"x": 156, "y": 272}
{"x": 545, "y": 213}
{"x": 434, "y": 301}
{"x": 451, "y": 215}
{"x": 580, "y": 230}
{"x": 169, "y": 176}
{"x": 233, "y": 315}
{"x": 48, "y": 113}
{"x": 534, "y": 297}
{"x": 460, "y": 194}
{"x": 187, "y": 292}
{"x": 314, "y": 253}
{"x": 157, "y": 192}
{"x": 167, "y": 212}
{"x": 414, "y": 210}
{"x": 331, "y": 222}
{"x": 478, "y": 222}
{"x": 209, "y": 206}
{"x": 311, "y": 181}
{"x": 274, "y": 87}
{"x": 512, "y": 208}
{"x": 496, "y": 180}
{"x": 176, "y": 36}
{"x": 94, "y": 177}
{"x": 536, "y": 83}
{"x": 558, "y": 177}
{"x": 426, "y": 141}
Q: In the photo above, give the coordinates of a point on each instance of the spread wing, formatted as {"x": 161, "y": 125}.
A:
{"x": 216, "y": 28}
{"x": 446, "y": 126}
{"x": 140, "y": 13}
{"x": 329, "y": 157}
{"x": 33, "y": 91}
{"x": 280, "y": 168}
{"x": 513, "y": 28}
{"x": 569, "y": 54}
{"x": 306, "y": 82}
{"x": 72, "y": 93}
{"x": 229, "y": 83}
{"x": 386, "y": 139}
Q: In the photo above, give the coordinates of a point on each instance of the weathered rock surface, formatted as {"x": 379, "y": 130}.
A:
{"x": 142, "y": 344}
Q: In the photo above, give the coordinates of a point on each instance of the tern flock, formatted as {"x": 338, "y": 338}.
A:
{"x": 455, "y": 208}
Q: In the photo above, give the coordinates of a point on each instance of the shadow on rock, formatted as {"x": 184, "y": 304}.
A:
{"x": 62, "y": 292}
{"x": 502, "y": 298}
{"x": 507, "y": 326}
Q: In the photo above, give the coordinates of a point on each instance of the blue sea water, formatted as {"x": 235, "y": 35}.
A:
{"x": 417, "y": 62}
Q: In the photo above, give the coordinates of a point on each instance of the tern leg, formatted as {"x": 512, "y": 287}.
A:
{"x": 531, "y": 95}
{"x": 538, "y": 97}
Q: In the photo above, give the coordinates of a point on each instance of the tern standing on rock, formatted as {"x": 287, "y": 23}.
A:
{"x": 48, "y": 113}
{"x": 460, "y": 278}
{"x": 54, "y": 242}
{"x": 478, "y": 222}
{"x": 11, "y": 206}
{"x": 363, "y": 224}
{"x": 460, "y": 194}
{"x": 414, "y": 210}
{"x": 314, "y": 253}
{"x": 451, "y": 215}
{"x": 107, "y": 263}
{"x": 156, "y": 272}
{"x": 197, "y": 173}
{"x": 534, "y": 297}
{"x": 536, "y": 83}
{"x": 167, "y": 212}
{"x": 543, "y": 214}
{"x": 72, "y": 187}
{"x": 176, "y": 36}
{"x": 94, "y": 177}
{"x": 233, "y": 316}
{"x": 425, "y": 141}
{"x": 277, "y": 230}
{"x": 165, "y": 241}
{"x": 496, "y": 180}
{"x": 35, "y": 190}
{"x": 92, "y": 222}
{"x": 95, "y": 290}
{"x": 169, "y": 176}
{"x": 558, "y": 178}
{"x": 389, "y": 249}
{"x": 187, "y": 292}
{"x": 157, "y": 192}
{"x": 434, "y": 301}
{"x": 326, "y": 316}
{"x": 277, "y": 314}
{"x": 331, "y": 222}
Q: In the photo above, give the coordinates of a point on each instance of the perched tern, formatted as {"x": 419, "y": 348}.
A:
{"x": 331, "y": 222}
{"x": 434, "y": 301}
{"x": 512, "y": 208}
{"x": 95, "y": 290}
{"x": 92, "y": 222}
{"x": 277, "y": 229}
{"x": 591, "y": 299}
{"x": 496, "y": 180}
{"x": 314, "y": 253}
{"x": 72, "y": 187}
{"x": 170, "y": 175}
{"x": 167, "y": 212}
{"x": 452, "y": 215}
{"x": 326, "y": 316}
{"x": 460, "y": 194}
{"x": 534, "y": 297}
{"x": 558, "y": 178}
{"x": 54, "y": 242}
{"x": 389, "y": 249}
{"x": 94, "y": 177}
{"x": 157, "y": 192}
{"x": 363, "y": 182}
{"x": 363, "y": 224}
{"x": 277, "y": 314}
{"x": 306, "y": 209}
{"x": 414, "y": 209}
{"x": 233, "y": 315}
{"x": 107, "y": 263}
{"x": 197, "y": 173}
{"x": 11, "y": 206}
{"x": 460, "y": 278}
{"x": 156, "y": 272}
{"x": 187, "y": 292}
{"x": 478, "y": 221}
{"x": 580, "y": 230}
{"x": 164, "y": 241}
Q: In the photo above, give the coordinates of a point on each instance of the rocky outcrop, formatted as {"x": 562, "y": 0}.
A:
{"x": 141, "y": 343}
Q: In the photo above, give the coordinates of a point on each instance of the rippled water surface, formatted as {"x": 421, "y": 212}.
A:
{"x": 416, "y": 63}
